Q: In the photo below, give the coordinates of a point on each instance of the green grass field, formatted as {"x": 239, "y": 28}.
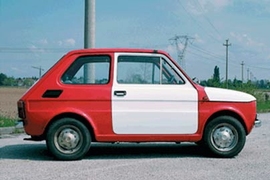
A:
{"x": 7, "y": 122}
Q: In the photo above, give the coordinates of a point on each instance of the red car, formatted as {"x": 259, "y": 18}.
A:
{"x": 131, "y": 95}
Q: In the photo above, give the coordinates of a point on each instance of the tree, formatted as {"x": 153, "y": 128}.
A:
{"x": 216, "y": 76}
{"x": 3, "y": 77}
{"x": 10, "y": 81}
{"x": 215, "y": 80}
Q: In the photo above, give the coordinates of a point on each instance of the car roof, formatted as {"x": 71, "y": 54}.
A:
{"x": 115, "y": 50}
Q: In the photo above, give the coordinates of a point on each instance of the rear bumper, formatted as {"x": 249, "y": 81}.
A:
{"x": 19, "y": 124}
{"x": 257, "y": 123}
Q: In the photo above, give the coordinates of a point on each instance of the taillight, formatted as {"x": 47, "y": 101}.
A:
{"x": 21, "y": 109}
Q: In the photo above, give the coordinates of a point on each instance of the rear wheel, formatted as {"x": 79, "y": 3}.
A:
{"x": 68, "y": 139}
{"x": 224, "y": 136}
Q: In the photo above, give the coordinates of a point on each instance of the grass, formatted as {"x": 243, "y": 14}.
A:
{"x": 6, "y": 122}
{"x": 263, "y": 102}
{"x": 263, "y": 106}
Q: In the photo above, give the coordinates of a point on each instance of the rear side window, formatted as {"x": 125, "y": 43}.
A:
{"x": 88, "y": 70}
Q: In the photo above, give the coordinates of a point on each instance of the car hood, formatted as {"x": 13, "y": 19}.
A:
{"x": 219, "y": 94}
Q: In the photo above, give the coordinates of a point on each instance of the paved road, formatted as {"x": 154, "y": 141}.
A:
{"x": 30, "y": 160}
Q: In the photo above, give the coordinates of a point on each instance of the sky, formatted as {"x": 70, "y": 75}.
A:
{"x": 37, "y": 33}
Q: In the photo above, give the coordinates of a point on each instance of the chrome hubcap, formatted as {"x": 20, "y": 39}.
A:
{"x": 67, "y": 139}
{"x": 224, "y": 137}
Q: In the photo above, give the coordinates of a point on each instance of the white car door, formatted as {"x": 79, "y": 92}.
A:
{"x": 151, "y": 96}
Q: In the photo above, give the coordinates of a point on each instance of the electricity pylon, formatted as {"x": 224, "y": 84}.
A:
{"x": 184, "y": 40}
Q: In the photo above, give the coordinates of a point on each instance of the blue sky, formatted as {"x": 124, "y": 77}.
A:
{"x": 39, "y": 32}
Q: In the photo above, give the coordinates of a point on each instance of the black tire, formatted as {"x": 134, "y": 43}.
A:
{"x": 68, "y": 139}
{"x": 224, "y": 136}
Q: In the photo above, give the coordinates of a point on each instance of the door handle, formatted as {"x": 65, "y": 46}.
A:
{"x": 120, "y": 93}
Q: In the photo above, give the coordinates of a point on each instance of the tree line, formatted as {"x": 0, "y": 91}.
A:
{"x": 214, "y": 81}
{"x": 16, "y": 82}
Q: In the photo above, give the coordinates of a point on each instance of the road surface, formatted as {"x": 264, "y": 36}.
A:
{"x": 30, "y": 160}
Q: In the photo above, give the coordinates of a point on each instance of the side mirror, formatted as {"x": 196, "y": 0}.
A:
{"x": 196, "y": 80}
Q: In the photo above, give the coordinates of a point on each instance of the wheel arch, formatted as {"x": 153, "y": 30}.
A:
{"x": 227, "y": 113}
{"x": 74, "y": 116}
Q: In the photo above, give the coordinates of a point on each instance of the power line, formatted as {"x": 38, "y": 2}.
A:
{"x": 33, "y": 50}
{"x": 205, "y": 56}
{"x": 219, "y": 57}
{"x": 209, "y": 55}
{"x": 196, "y": 22}
{"x": 206, "y": 52}
{"x": 40, "y": 69}
{"x": 214, "y": 56}
{"x": 207, "y": 19}
{"x": 259, "y": 67}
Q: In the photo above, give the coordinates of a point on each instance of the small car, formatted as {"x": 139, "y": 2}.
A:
{"x": 131, "y": 95}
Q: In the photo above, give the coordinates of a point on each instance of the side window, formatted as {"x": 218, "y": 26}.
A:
{"x": 88, "y": 70}
{"x": 146, "y": 70}
{"x": 138, "y": 70}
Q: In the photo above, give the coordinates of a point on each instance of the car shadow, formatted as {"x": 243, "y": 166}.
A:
{"x": 107, "y": 151}
{"x": 25, "y": 152}
{"x": 144, "y": 150}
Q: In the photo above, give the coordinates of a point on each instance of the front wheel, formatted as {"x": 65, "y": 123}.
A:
{"x": 68, "y": 139}
{"x": 224, "y": 136}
